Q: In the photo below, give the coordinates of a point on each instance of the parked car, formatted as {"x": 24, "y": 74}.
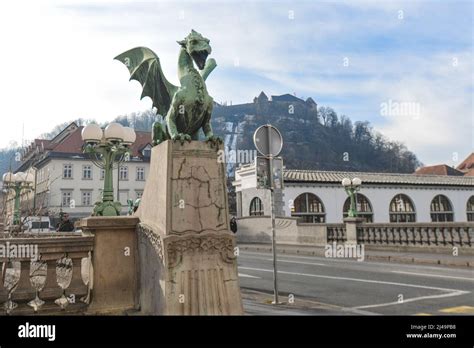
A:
{"x": 38, "y": 224}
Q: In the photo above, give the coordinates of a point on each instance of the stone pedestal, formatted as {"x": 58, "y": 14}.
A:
{"x": 351, "y": 229}
{"x": 187, "y": 260}
{"x": 114, "y": 260}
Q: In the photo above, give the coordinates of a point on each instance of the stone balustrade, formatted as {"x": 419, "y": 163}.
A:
{"x": 417, "y": 234}
{"x": 45, "y": 273}
{"x": 336, "y": 233}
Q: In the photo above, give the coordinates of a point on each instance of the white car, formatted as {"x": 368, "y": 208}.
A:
{"x": 38, "y": 224}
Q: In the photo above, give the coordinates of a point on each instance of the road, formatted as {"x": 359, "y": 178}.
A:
{"x": 362, "y": 288}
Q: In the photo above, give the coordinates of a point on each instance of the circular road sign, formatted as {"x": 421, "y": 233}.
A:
{"x": 268, "y": 140}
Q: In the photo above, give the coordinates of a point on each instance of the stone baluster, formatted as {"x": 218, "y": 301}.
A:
{"x": 459, "y": 233}
{"x": 468, "y": 231}
{"x": 38, "y": 274}
{"x": 10, "y": 282}
{"x": 451, "y": 235}
{"x": 87, "y": 275}
{"x": 64, "y": 267}
{"x": 435, "y": 232}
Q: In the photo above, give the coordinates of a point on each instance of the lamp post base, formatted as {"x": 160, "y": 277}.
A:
{"x": 107, "y": 208}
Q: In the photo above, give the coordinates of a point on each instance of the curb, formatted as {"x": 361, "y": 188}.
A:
{"x": 383, "y": 258}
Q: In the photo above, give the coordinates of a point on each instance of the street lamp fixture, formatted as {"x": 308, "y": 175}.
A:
{"x": 351, "y": 187}
{"x": 108, "y": 148}
{"x": 17, "y": 183}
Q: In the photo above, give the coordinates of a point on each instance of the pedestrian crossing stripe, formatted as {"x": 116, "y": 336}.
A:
{"x": 459, "y": 310}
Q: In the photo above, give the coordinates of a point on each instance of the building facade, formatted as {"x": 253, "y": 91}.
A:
{"x": 67, "y": 180}
{"x": 318, "y": 196}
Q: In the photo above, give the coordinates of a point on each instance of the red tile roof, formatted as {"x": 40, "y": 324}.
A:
{"x": 440, "y": 169}
{"x": 467, "y": 164}
{"x": 470, "y": 172}
{"x": 73, "y": 143}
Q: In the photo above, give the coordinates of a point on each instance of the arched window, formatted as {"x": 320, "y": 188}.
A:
{"x": 364, "y": 208}
{"x": 402, "y": 209}
{"x": 256, "y": 207}
{"x": 441, "y": 209}
{"x": 308, "y": 208}
{"x": 470, "y": 209}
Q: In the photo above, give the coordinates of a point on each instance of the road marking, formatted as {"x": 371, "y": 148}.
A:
{"x": 302, "y": 263}
{"x": 423, "y": 314}
{"x": 434, "y": 275}
{"x": 248, "y": 276}
{"x": 459, "y": 310}
{"x": 449, "y": 294}
{"x": 355, "y": 279}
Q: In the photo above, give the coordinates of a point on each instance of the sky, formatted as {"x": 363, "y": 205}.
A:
{"x": 405, "y": 66}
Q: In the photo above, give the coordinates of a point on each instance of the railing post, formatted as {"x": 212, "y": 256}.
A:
{"x": 114, "y": 263}
{"x": 351, "y": 229}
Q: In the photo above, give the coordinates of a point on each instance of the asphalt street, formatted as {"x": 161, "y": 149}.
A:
{"x": 353, "y": 287}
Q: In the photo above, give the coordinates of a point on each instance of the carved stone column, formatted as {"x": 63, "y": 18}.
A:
{"x": 184, "y": 230}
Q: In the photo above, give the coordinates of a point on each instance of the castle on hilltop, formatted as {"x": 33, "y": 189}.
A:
{"x": 275, "y": 105}
{"x": 263, "y": 100}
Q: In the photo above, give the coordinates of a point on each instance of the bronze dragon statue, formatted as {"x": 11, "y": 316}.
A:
{"x": 186, "y": 109}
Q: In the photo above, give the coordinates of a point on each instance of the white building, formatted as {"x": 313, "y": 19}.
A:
{"x": 67, "y": 180}
{"x": 318, "y": 196}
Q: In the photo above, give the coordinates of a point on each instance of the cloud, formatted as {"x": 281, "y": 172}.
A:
{"x": 59, "y": 60}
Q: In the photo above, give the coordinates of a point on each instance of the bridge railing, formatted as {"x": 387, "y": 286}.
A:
{"x": 417, "y": 234}
{"x": 336, "y": 233}
{"x": 45, "y": 272}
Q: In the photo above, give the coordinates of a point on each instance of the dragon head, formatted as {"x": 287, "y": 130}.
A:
{"x": 198, "y": 48}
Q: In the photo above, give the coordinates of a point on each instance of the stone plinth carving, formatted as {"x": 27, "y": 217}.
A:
{"x": 184, "y": 230}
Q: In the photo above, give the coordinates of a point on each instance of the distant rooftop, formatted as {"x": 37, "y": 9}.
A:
{"x": 286, "y": 98}
{"x": 440, "y": 169}
{"x": 294, "y": 175}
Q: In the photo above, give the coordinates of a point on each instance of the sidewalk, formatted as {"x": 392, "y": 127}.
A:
{"x": 260, "y": 303}
{"x": 371, "y": 255}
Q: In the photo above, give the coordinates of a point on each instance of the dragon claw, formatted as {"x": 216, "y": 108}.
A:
{"x": 181, "y": 137}
{"x": 214, "y": 141}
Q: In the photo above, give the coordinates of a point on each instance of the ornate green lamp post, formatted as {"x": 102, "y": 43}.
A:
{"x": 108, "y": 148}
{"x": 351, "y": 187}
{"x": 18, "y": 183}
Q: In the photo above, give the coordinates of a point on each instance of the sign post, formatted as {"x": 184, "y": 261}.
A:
{"x": 269, "y": 142}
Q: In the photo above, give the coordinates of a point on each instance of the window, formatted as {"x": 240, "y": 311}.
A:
{"x": 67, "y": 171}
{"x": 146, "y": 152}
{"x": 470, "y": 209}
{"x": 66, "y": 198}
{"x": 87, "y": 172}
{"x": 256, "y": 207}
{"x": 123, "y": 173}
{"x": 86, "y": 198}
{"x": 364, "y": 208}
{"x": 102, "y": 174}
{"x": 309, "y": 208}
{"x": 402, "y": 209}
{"x": 441, "y": 209}
{"x": 138, "y": 194}
{"x": 140, "y": 174}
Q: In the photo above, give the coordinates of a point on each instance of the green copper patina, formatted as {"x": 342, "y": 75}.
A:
{"x": 104, "y": 155}
{"x": 187, "y": 108}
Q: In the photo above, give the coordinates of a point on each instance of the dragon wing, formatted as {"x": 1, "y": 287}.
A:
{"x": 144, "y": 66}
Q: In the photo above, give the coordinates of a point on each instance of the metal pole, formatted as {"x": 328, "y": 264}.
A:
{"x": 34, "y": 194}
{"x": 275, "y": 271}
